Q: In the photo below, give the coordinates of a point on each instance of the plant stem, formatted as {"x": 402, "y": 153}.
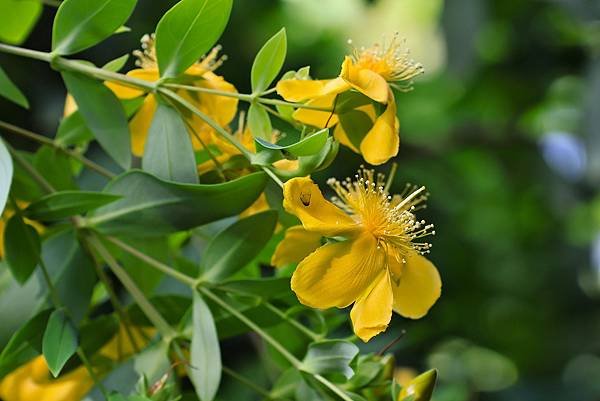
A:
{"x": 149, "y": 310}
{"x": 391, "y": 176}
{"x": 46, "y": 186}
{"x": 168, "y": 270}
{"x": 47, "y": 141}
{"x": 305, "y": 330}
{"x": 247, "y": 382}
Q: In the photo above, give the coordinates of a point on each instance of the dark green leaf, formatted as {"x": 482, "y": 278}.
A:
{"x": 17, "y": 19}
{"x": 205, "y": 370}
{"x": 25, "y": 344}
{"x": 259, "y": 122}
{"x": 73, "y": 130}
{"x": 153, "y": 207}
{"x": 10, "y": 91}
{"x": 60, "y": 341}
{"x": 168, "y": 152}
{"x": 21, "y": 248}
{"x": 268, "y": 62}
{"x": 237, "y": 245}
{"x": 60, "y": 205}
{"x": 80, "y": 24}
{"x": 116, "y": 64}
{"x": 330, "y": 357}
{"x": 187, "y": 31}
{"x": 98, "y": 332}
{"x": 55, "y": 167}
{"x": 308, "y": 146}
{"x": 6, "y": 175}
{"x": 103, "y": 114}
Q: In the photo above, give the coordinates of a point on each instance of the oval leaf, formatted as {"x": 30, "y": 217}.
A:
{"x": 187, "y": 31}
{"x": 153, "y": 207}
{"x": 306, "y": 147}
{"x": 168, "y": 152}
{"x": 60, "y": 205}
{"x": 330, "y": 357}
{"x": 80, "y": 24}
{"x": 11, "y": 92}
{"x": 17, "y": 19}
{"x": 60, "y": 341}
{"x": 6, "y": 174}
{"x": 259, "y": 122}
{"x": 238, "y": 244}
{"x": 21, "y": 248}
{"x": 73, "y": 131}
{"x": 268, "y": 62}
{"x": 103, "y": 114}
{"x": 205, "y": 369}
{"x": 116, "y": 64}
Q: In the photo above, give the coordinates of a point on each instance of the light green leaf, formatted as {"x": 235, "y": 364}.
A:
{"x": 25, "y": 343}
{"x": 330, "y": 357}
{"x": 17, "y": 19}
{"x": 103, "y": 114}
{"x": 6, "y": 175}
{"x": 80, "y": 24}
{"x": 116, "y": 64}
{"x": 237, "y": 245}
{"x": 60, "y": 205}
{"x": 306, "y": 147}
{"x": 153, "y": 207}
{"x": 187, "y": 31}
{"x": 11, "y": 92}
{"x": 60, "y": 341}
{"x": 168, "y": 152}
{"x": 72, "y": 130}
{"x": 268, "y": 62}
{"x": 21, "y": 248}
{"x": 259, "y": 122}
{"x": 205, "y": 369}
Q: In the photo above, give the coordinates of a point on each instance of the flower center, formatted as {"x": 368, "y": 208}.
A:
{"x": 390, "y": 219}
{"x": 392, "y": 61}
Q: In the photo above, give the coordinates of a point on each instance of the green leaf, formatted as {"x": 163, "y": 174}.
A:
{"x": 6, "y": 175}
{"x": 420, "y": 388}
{"x": 306, "y": 147}
{"x": 60, "y": 341}
{"x": 60, "y": 205}
{"x": 268, "y": 62}
{"x": 21, "y": 248}
{"x": 154, "y": 207}
{"x": 168, "y": 152}
{"x": 103, "y": 114}
{"x": 73, "y": 131}
{"x": 187, "y": 31}
{"x": 205, "y": 370}
{"x": 237, "y": 245}
{"x": 80, "y": 24}
{"x": 25, "y": 343}
{"x": 17, "y": 19}
{"x": 330, "y": 357}
{"x": 267, "y": 288}
{"x": 116, "y": 64}
{"x": 55, "y": 167}
{"x": 259, "y": 122}
{"x": 11, "y": 92}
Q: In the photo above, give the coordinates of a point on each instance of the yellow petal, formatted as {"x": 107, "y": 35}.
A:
{"x": 382, "y": 142}
{"x": 258, "y": 206}
{"x": 70, "y": 105}
{"x": 298, "y": 90}
{"x": 286, "y": 165}
{"x": 338, "y": 274}
{"x": 365, "y": 81}
{"x": 140, "y": 124}
{"x": 372, "y": 312}
{"x": 128, "y": 92}
{"x": 303, "y": 198}
{"x": 295, "y": 246}
{"x": 418, "y": 286}
{"x": 354, "y": 125}
{"x": 317, "y": 118}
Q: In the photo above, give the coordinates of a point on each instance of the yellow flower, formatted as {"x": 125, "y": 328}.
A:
{"x": 221, "y": 109}
{"x": 372, "y": 258}
{"x": 370, "y": 72}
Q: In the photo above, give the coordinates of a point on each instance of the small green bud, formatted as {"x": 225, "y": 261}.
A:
{"x": 420, "y": 388}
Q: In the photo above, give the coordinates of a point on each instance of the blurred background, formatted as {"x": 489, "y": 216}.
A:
{"x": 503, "y": 129}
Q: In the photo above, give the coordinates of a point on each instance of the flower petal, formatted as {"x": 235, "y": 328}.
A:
{"x": 316, "y": 118}
{"x": 365, "y": 81}
{"x": 140, "y": 124}
{"x": 128, "y": 92}
{"x": 382, "y": 142}
{"x": 295, "y": 246}
{"x": 372, "y": 312}
{"x": 299, "y": 90}
{"x": 338, "y": 274}
{"x": 303, "y": 198}
{"x": 70, "y": 105}
{"x": 418, "y": 288}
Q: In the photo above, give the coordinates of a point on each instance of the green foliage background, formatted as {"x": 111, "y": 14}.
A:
{"x": 504, "y": 131}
